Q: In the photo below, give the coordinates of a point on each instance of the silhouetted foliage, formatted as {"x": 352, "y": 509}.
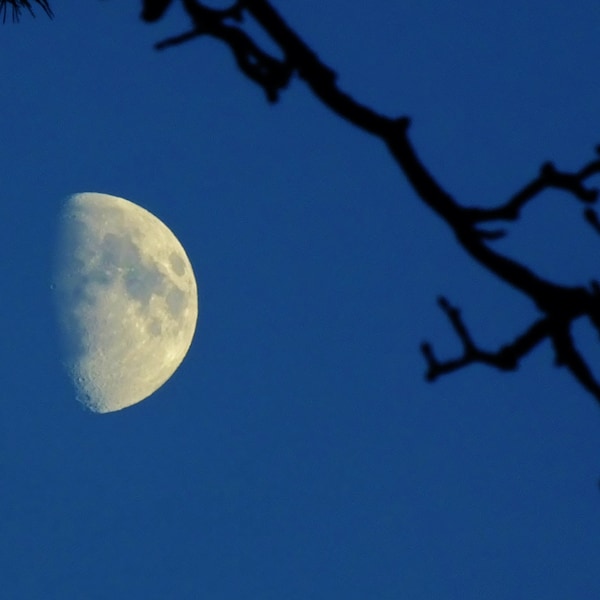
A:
{"x": 17, "y": 5}
{"x": 559, "y": 305}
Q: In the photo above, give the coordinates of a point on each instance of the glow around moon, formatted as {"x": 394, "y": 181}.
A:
{"x": 126, "y": 297}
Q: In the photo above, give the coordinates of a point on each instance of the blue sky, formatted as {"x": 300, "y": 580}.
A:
{"x": 298, "y": 452}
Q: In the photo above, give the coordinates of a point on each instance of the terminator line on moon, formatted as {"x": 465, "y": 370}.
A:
{"x": 126, "y": 297}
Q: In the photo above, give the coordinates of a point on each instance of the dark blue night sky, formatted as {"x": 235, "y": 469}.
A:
{"x": 298, "y": 453}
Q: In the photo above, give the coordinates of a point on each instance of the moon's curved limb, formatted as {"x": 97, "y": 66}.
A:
{"x": 127, "y": 300}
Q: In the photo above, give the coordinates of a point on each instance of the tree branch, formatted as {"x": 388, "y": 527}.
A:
{"x": 548, "y": 178}
{"x": 568, "y": 356}
{"x": 559, "y": 305}
{"x": 17, "y": 5}
{"x": 507, "y": 358}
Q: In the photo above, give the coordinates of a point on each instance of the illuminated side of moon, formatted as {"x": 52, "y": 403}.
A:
{"x": 126, "y": 297}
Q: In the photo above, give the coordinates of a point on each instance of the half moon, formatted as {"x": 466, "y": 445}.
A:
{"x": 126, "y": 297}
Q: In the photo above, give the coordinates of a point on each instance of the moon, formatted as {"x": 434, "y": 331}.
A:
{"x": 126, "y": 299}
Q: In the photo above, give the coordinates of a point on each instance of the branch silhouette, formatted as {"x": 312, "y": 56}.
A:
{"x": 559, "y": 305}
{"x": 17, "y": 5}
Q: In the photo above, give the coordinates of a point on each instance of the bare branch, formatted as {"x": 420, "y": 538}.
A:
{"x": 568, "y": 356}
{"x": 506, "y": 358}
{"x": 548, "y": 178}
{"x": 591, "y": 217}
{"x": 177, "y": 40}
{"x": 153, "y": 10}
{"x": 270, "y": 73}
{"x": 560, "y": 305}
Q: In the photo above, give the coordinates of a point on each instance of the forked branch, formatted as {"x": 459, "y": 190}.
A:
{"x": 548, "y": 178}
{"x": 506, "y": 358}
{"x": 558, "y": 306}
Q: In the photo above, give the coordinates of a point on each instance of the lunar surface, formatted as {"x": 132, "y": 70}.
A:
{"x": 126, "y": 298}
